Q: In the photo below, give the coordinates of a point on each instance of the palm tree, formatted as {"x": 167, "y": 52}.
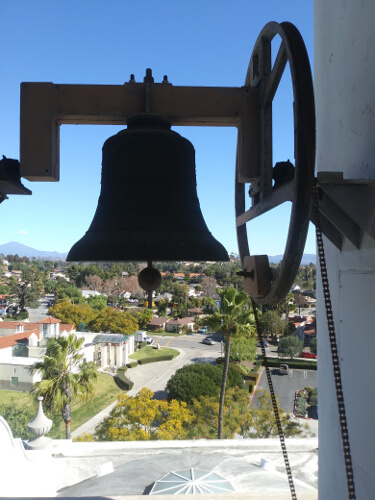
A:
{"x": 233, "y": 318}
{"x": 64, "y": 375}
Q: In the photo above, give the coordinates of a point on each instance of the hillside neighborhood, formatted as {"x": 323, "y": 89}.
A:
{"x": 107, "y": 310}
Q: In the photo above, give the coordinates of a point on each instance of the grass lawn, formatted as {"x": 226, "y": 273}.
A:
{"x": 106, "y": 391}
{"x": 150, "y": 352}
{"x": 19, "y": 399}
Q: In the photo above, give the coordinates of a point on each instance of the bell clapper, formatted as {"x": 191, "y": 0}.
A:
{"x": 149, "y": 279}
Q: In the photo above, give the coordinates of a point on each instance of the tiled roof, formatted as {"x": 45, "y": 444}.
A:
{"x": 197, "y": 310}
{"x": 49, "y": 320}
{"x": 13, "y": 324}
{"x": 10, "y": 340}
{"x": 66, "y": 327}
{"x": 157, "y": 321}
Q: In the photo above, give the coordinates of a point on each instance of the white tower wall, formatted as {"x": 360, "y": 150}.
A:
{"x": 344, "y": 78}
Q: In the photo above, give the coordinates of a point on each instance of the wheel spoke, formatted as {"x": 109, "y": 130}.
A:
{"x": 279, "y": 196}
{"x": 275, "y": 75}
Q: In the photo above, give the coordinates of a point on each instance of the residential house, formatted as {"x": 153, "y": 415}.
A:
{"x": 305, "y": 327}
{"x": 17, "y": 275}
{"x": 157, "y": 324}
{"x": 195, "y": 311}
{"x": 58, "y": 274}
{"x": 176, "y": 324}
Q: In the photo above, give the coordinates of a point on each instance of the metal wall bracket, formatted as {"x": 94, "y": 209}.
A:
{"x": 346, "y": 207}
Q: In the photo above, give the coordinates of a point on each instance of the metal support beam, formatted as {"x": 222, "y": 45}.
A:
{"x": 346, "y": 207}
{"x": 45, "y": 106}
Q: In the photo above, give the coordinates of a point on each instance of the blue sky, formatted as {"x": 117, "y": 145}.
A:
{"x": 195, "y": 42}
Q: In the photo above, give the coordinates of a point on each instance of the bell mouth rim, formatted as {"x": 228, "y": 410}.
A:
{"x": 107, "y": 246}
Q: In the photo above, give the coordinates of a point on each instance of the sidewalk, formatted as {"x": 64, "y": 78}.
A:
{"x": 153, "y": 375}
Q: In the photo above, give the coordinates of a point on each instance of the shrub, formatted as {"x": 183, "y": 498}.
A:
{"x": 249, "y": 386}
{"x": 123, "y": 382}
{"x": 300, "y": 406}
{"x": 253, "y": 376}
{"x": 142, "y": 344}
{"x": 313, "y": 397}
{"x": 165, "y": 357}
{"x": 132, "y": 364}
{"x": 303, "y": 364}
{"x": 84, "y": 438}
{"x": 193, "y": 381}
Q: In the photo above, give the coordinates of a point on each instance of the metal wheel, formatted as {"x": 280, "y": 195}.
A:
{"x": 293, "y": 185}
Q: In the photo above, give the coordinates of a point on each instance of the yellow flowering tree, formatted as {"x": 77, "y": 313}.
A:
{"x": 142, "y": 418}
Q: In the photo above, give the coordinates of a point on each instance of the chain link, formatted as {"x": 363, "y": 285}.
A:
{"x": 334, "y": 350}
{"x": 274, "y": 405}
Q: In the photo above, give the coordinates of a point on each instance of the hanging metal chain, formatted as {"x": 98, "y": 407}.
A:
{"x": 274, "y": 404}
{"x": 334, "y": 351}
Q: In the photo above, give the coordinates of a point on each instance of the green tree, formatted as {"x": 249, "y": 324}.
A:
{"x": 75, "y": 274}
{"x": 243, "y": 348}
{"x": 143, "y": 317}
{"x": 114, "y": 321}
{"x": 97, "y": 302}
{"x": 234, "y": 318}
{"x": 17, "y": 419}
{"x": 4, "y": 289}
{"x": 71, "y": 292}
{"x": 290, "y": 346}
{"x": 272, "y": 324}
{"x": 162, "y": 307}
{"x": 180, "y": 296}
{"x": 27, "y": 296}
{"x": 72, "y": 313}
{"x": 60, "y": 378}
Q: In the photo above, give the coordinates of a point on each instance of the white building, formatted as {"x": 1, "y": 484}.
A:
{"x": 21, "y": 345}
{"x": 112, "y": 349}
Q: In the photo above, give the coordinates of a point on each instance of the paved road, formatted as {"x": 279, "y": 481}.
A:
{"x": 40, "y": 312}
{"x": 156, "y": 375}
{"x": 192, "y": 343}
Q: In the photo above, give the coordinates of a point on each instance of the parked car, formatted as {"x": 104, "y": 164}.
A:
{"x": 282, "y": 370}
{"x": 149, "y": 340}
{"x": 263, "y": 342}
{"x": 208, "y": 341}
{"x": 203, "y": 330}
{"x": 307, "y": 354}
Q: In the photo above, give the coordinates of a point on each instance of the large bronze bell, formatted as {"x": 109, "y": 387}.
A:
{"x": 148, "y": 207}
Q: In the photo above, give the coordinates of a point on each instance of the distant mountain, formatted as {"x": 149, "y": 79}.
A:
{"x": 307, "y": 258}
{"x": 14, "y": 248}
